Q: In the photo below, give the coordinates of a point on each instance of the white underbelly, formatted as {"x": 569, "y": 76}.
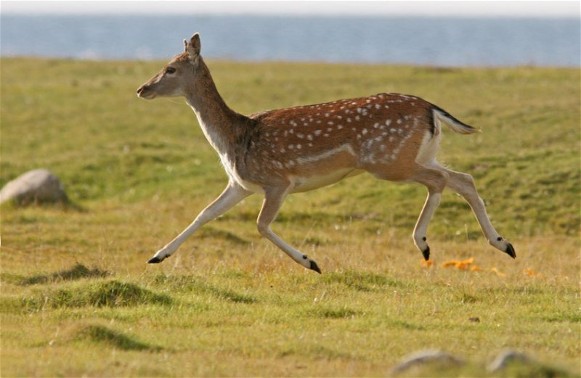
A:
{"x": 303, "y": 184}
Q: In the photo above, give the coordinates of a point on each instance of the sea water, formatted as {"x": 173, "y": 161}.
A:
{"x": 436, "y": 41}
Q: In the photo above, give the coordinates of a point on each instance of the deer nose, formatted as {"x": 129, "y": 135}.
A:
{"x": 140, "y": 90}
{"x": 145, "y": 92}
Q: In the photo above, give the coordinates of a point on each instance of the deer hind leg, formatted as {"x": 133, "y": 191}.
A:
{"x": 463, "y": 184}
{"x": 435, "y": 180}
{"x": 232, "y": 195}
{"x": 273, "y": 200}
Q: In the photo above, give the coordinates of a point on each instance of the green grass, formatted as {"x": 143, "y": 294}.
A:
{"x": 78, "y": 299}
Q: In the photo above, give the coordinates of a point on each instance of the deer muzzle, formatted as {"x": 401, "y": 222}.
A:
{"x": 145, "y": 92}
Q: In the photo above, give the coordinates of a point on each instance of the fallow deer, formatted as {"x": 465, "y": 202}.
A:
{"x": 278, "y": 152}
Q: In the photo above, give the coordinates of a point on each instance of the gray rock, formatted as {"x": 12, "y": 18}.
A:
{"x": 508, "y": 357}
{"x": 38, "y": 186}
{"x": 424, "y": 357}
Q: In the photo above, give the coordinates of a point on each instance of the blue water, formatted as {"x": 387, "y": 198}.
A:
{"x": 419, "y": 41}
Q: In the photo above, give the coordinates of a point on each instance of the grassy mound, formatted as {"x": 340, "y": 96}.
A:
{"x": 105, "y": 336}
{"x": 77, "y": 272}
{"x": 96, "y": 294}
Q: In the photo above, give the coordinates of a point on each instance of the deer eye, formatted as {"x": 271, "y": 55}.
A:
{"x": 170, "y": 70}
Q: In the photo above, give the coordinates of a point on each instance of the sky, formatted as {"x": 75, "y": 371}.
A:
{"x": 380, "y": 8}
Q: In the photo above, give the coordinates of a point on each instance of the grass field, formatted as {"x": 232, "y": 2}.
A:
{"x": 78, "y": 299}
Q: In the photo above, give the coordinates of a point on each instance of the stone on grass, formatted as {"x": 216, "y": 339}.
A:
{"x": 508, "y": 357}
{"x": 36, "y": 187}
{"x": 424, "y": 358}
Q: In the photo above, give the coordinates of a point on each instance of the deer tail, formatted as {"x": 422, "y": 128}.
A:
{"x": 442, "y": 116}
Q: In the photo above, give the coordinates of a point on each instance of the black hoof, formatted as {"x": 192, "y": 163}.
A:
{"x": 426, "y": 253}
{"x": 510, "y": 251}
{"x": 315, "y": 267}
{"x": 154, "y": 260}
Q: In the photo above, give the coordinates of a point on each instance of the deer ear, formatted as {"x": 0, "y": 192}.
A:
{"x": 193, "y": 47}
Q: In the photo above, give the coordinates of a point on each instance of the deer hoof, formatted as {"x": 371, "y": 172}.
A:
{"x": 155, "y": 260}
{"x": 426, "y": 253}
{"x": 510, "y": 250}
{"x": 315, "y": 267}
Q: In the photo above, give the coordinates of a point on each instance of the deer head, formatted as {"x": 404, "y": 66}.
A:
{"x": 174, "y": 78}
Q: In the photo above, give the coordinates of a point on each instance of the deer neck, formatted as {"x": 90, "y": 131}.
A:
{"x": 221, "y": 125}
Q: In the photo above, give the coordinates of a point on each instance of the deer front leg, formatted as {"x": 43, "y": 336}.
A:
{"x": 232, "y": 195}
{"x": 273, "y": 199}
